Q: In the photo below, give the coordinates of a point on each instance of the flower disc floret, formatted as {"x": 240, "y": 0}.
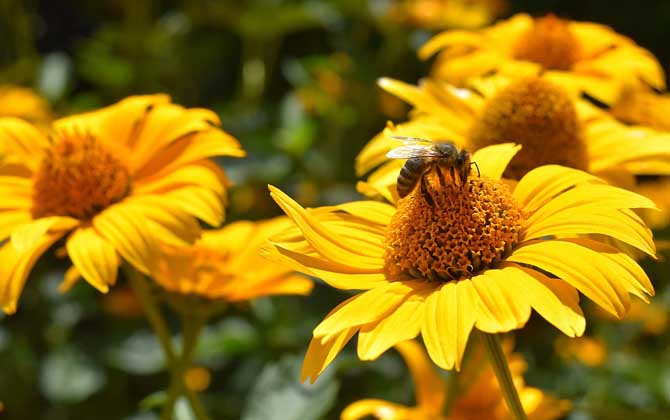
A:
{"x": 549, "y": 42}
{"x": 468, "y": 229}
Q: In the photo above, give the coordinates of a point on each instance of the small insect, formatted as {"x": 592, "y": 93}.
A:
{"x": 423, "y": 156}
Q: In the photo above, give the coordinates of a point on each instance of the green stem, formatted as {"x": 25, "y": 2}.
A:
{"x": 191, "y": 327}
{"x": 501, "y": 368}
{"x": 453, "y": 389}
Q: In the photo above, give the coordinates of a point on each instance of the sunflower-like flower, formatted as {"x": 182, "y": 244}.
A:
{"x": 482, "y": 399}
{"x": 441, "y": 14}
{"x": 114, "y": 181}
{"x": 583, "y": 56}
{"x": 225, "y": 264}
{"x": 24, "y": 103}
{"x": 476, "y": 255}
{"x": 553, "y": 126}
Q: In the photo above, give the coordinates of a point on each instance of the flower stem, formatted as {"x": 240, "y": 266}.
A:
{"x": 176, "y": 364}
{"x": 501, "y": 368}
{"x": 453, "y": 389}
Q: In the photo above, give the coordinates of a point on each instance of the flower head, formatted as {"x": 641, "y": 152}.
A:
{"x": 113, "y": 182}
{"x": 553, "y": 126}
{"x": 478, "y": 255}
{"x": 440, "y": 14}
{"x": 481, "y": 400}
{"x": 582, "y": 56}
{"x": 225, "y": 264}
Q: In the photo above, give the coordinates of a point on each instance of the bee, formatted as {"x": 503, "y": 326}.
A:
{"x": 423, "y": 156}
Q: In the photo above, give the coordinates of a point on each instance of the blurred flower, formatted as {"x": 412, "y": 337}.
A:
{"x": 122, "y": 302}
{"x": 451, "y": 257}
{"x": 652, "y": 317}
{"x": 197, "y": 378}
{"x": 553, "y": 127}
{"x": 482, "y": 399}
{"x": 582, "y": 56}
{"x": 114, "y": 181}
{"x": 24, "y": 103}
{"x": 442, "y": 14}
{"x": 590, "y": 351}
{"x": 226, "y": 264}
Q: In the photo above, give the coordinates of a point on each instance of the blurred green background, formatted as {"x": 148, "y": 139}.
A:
{"x": 295, "y": 82}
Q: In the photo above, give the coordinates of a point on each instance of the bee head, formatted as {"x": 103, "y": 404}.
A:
{"x": 446, "y": 149}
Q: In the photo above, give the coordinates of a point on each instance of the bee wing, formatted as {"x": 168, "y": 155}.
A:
{"x": 406, "y": 152}
{"x": 412, "y": 141}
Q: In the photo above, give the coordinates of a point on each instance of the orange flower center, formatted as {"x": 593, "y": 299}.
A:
{"x": 467, "y": 229}
{"x": 540, "y": 116}
{"x": 644, "y": 108}
{"x": 550, "y": 42}
{"x": 78, "y": 177}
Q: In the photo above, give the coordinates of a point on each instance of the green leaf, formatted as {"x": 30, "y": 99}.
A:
{"x": 231, "y": 336}
{"x": 68, "y": 375}
{"x": 279, "y": 395}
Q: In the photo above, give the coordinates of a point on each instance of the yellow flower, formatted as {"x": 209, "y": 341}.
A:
{"x": 582, "y": 56}
{"x": 553, "y": 126}
{"x": 459, "y": 256}
{"x": 482, "y": 399}
{"x": 590, "y": 351}
{"x": 23, "y": 103}
{"x": 226, "y": 264}
{"x": 114, "y": 181}
{"x": 440, "y": 14}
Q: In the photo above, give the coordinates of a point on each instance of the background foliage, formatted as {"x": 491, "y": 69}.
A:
{"x": 295, "y": 82}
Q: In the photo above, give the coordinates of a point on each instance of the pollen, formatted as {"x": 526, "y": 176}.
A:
{"x": 466, "y": 229}
{"x": 78, "y": 177}
{"x": 549, "y": 42}
{"x": 538, "y": 115}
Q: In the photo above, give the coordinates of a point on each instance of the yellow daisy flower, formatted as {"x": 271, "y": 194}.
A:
{"x": 476, "y": 255}
{"x": 24, "y": 103}
{"x": 482, "y": 399}
{"x": 582, "y": 56}
{"x": 114, "y": 181}
{"x": 226, "y": 264}
{"x": 440, "y": 14}
{"x": 553, "y": 127}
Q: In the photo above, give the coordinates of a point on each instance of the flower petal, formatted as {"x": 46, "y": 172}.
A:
{"x": 403, "y": 323}
{"x": 500, "y": 309}
{"x": 320, "y": 354}
{"x": 94, "y": 257}
{"x": 364, "y": 308}
{"x": 382, "y": 410}
{"x": 130, "y": 235}
{"x": 430, "y": 387}
{"x": 450, "y": 315}
{"x": 15, "y": 266}
{"x": 555, "y": 300}
{"x": 19, "y": 138}
{"x": 585, "y": 269}
{"x": 493, "y": 160}
{"x": 26, "y": 236}
{"x": 541, "y": 184}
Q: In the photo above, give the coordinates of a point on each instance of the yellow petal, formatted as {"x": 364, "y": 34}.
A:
{"x": 324, "y": 240}
{"x": 10, "y": 219}
{"x": 319, "y": 355}
{"x": 94, "y": 257}
{"x": 382, "y": 410}
{"x": 587, "y": 270}
{"x": 26, "y": 236}
{"x": 15, "y": 266}
{"x": 593, "y": 219}
{"x": 403, "y": 323}
{"x": 287, "y": 284}
{"x": 200, "y": 202}
{"x": 493, "y": 160}
{"x": 70, "y": 278}
{"x": 22, "y": 139}
{"x": 500, "y": 308}
{"x": 131, "y": 236}
{"x": 205, "y": 174}
{"x": 555, "y": 300}
{"x": 450, "y": 315}
{"x": 541, "y": 184}
{"x": 429, "y": 385}
{"x": 450, "y": 38}
{"x": 364, "y": 308}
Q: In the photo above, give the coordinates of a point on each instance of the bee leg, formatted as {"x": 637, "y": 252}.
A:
{"x": 440, "y": 177}
{"x": 479, "y": 174}
{"x": 425, "y": 192}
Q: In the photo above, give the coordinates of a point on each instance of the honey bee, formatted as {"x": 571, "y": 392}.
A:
{"x": 423, "y": 156}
